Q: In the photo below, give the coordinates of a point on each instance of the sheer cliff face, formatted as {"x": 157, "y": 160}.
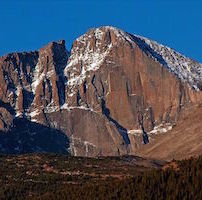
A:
{"x": 32, "y": 82}
{"x": 109, "y": 95}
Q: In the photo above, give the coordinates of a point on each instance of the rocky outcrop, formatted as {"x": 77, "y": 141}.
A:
{"x": 48, "y": 80}
{"x": 16, "y": 72}
{"x": 183, "y": 141}
{"x": 109, "y": 95}
{"x": 6, "y": 120}
{"x": 90, "y": 133}
{"x": 129, "y": 86}
{"x": 32, "y": 82}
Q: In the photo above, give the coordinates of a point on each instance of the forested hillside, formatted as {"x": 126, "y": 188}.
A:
{"x": 61, "y": 177}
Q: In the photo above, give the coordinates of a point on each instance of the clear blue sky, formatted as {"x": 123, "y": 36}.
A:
{"x": 29, "y": 24}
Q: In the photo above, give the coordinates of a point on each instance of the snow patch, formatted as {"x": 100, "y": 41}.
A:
{"x": 34, "y": 113}
{"x": 69, "y": 108}
{"x": 136, "y": 132}
{"x": 186, "y": 69}
{"x": 39, "y": 76}
{"x": 89, "y": 60}
{"x": 76, "y": 141}
{"x": 87, "y": 144}
{"x": 88, "y": 57}
{"x": 162, "y": 128}
{"x": 72, "y": 148}
{"x": 121, "y": 35}
{"x": 17, "y": 93}
{"x": 51, "y": 109}
{"x": 85, "y": 57}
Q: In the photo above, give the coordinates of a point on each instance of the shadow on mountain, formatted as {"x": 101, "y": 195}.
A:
{"x": 28, "y": 98}
{"x": 148, "y": 50}
{"x": 31, "y": 137}
{"x": 7, "y": 106}
{"x": 121, "y": 129}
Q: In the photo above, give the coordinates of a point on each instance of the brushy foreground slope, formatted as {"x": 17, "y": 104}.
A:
{"x": 45, "y": 176}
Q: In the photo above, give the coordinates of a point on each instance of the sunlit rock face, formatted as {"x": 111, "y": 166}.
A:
{"x": 109, "y": 95}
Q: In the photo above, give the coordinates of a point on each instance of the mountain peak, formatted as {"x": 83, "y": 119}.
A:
{"x": 53, "y": 44}
{"x": 112, "y": 94}
{"x": 98, "y": 42}
{"x": 90, "y": 51}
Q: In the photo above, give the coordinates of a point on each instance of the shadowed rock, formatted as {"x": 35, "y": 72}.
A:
{"x": 30, "y": 137}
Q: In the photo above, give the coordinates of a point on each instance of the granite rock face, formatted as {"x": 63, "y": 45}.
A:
{"x": 6, "y": 119}
{"x": 109, "y": 95}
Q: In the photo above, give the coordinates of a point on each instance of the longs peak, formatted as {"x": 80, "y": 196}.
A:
{"x": 110, "y": 95}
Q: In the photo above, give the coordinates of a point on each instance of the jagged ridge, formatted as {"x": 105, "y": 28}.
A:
{"x": 111, "y": 77}
{"x": 184, "y": 68}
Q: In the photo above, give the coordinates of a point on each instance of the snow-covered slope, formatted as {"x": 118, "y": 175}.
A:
{"x": 91, "y": 57}
{"x": 184, "y": 68}
{"x": 87, "y": 56}
{"x": 89, "y": 52}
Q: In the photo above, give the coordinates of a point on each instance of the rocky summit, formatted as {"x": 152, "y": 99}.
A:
{"x": 113, "y": 94}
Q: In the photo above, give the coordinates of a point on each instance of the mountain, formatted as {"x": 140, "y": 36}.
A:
{"x": 115, "y": 93}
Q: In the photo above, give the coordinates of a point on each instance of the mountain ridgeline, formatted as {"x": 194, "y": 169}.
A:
{"x": 114, "y": 94}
